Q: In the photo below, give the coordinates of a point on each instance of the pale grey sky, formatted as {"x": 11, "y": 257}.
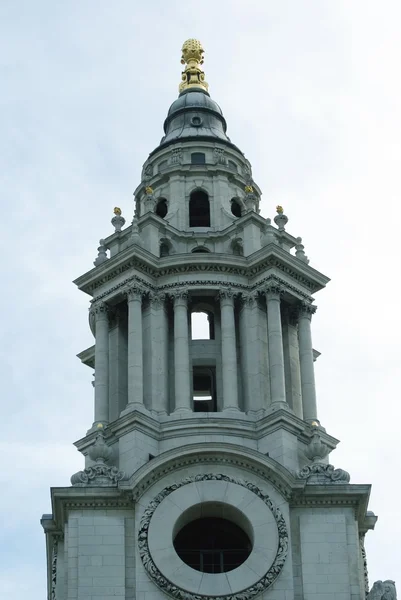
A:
{"x": 311, "y": 93}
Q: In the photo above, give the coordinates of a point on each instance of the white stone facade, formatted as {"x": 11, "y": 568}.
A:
{"x": 255, "y": 454}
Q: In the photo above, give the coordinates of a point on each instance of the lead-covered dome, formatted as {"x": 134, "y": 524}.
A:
{"x": 194, "y": 115}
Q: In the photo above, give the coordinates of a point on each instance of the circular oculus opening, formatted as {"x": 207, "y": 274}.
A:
{"x": 196, "y": 121}
{"x": 212, "y": 545}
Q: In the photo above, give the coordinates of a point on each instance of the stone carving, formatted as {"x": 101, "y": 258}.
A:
{"x": 383, "y": 590}
{"x": 219, "y": 156}
{"x": 280, "y": 219}
{"x": 273, "y": 291}
{"x": 181, "y": 594}
{"x": 99, "y": 310}
{"x": 316, "y": 450}
{"x": 54, "y": 569}
{"x": 306, "y": 310}
{"x": 102, "y": 255}
{"x": 118, "y": 220}
{"x": 134, "y": 292}
{"x": 99, "y": 474}
{"x": 319, "y": 473}
{"x": 300, "y": 251}
{"x": 179, "y": 296}
{"x": 225, "y": 294}
{"x": 176, "y": 156}
{"x": 147, "y": 173}
{"x": 364, "y": 562}
{"x": 157, "y": 299}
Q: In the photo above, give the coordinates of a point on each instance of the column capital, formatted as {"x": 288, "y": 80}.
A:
{"x": 179, "y": 297}
{"x": 273, "y": 291}
{"x": 306, "y": 310}
{"x": 99, "y": 310}
{"x": 157, "y": 299}
{"x": 226, "y": 295}
{"x": 248, "y": 299}
{"x": 134, "y": 292}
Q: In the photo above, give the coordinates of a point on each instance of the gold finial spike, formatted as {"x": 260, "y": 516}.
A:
{"x": 117, "y": 211}
{"x": 192, "y": 76}
{"x": 279, "y": 209}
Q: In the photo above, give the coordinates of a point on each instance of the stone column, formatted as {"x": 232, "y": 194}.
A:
{"x": 100, "y": 313}
{"x": 228, "y": 351}
{"x": 181, "y": 353}
{"x": 306, "y": 362}
{"x": 135, "y": 361}
{"x": 250, "y": 353}
{"x": 275, "y": 343}
{"x": 158, "y": 353}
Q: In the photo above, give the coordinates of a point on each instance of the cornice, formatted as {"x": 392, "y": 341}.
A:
{"x": 73, "y": 498}
{"x": 355, "y": 496}
{"x": 218, "y": 453}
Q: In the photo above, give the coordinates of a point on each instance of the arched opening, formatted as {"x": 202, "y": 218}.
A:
{"x": 199, "y": 210}
{"x": 164, "y": 249}
{"x": 204, "y": 389}
{"x": 161, "y": 208}
{"x": 200, "y": 249}
{"x": 198, "y": 158}
{"x": 202, "y": 325}
{"x": 212, "y": 545}
{"x": 236, "y": 208}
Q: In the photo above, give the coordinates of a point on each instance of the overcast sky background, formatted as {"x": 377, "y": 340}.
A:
{"x": 311, "y": 93}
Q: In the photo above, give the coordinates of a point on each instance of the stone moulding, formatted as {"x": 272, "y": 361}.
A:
{"x": 323, "y": 474}
{"x": 239, "y": 288}
{"x": 171, "y": 588}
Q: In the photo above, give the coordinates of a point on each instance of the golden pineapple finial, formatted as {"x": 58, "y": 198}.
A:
{"x": 192, "y": 57}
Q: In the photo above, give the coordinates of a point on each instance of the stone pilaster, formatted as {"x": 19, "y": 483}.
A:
{"x": 181, "y": 352}
{"x": 275, "y": 342}
{"x": 134, "y": 296}
{"x": 100, "y": 313}
{"x": 306, "y": 362}
{"x": 228, "y": 350}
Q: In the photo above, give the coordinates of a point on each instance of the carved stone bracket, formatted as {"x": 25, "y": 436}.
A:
{"x": 319, "y": 473}
{"x": 179, "y": 593}
{"x": 99, "y": 474}
{"x": 316, "y": 450}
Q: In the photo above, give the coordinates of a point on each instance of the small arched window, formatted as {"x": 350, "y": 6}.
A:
{"x": 236, "y": 208}
{"x": 232, "y": 166}
{"x": 161, "y": 208}
{"x": 198, "y": 158}
{"x": 199, "y": 210}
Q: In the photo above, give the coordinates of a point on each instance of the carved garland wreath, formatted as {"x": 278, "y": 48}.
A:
{"x": 179, "y": 593}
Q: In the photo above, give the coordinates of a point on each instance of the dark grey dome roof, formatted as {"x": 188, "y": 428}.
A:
{"x": 196, "y": 99}
{"x": 194, "y": 116}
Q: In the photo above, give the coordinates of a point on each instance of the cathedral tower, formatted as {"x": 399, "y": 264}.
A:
{"x": 207, "y": 471}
